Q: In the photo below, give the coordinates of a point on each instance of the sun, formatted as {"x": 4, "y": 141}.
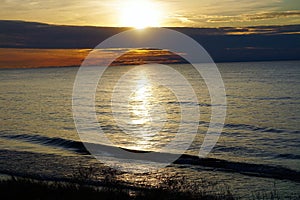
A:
{"x": 140, "y": 14}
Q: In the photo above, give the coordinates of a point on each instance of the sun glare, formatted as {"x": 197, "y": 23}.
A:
{"x": 140, "y": 14}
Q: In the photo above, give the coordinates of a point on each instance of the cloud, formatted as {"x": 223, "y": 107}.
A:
{"x": 253, "y": 43}
{"x": 259, "y": 18}
{"x": 175, "y": 12}
{"x": 254, "y": 17}
{"x": 74, "y": 12}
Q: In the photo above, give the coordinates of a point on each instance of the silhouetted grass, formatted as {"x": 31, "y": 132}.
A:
{"x": 273, "y": 195}
{"x": 81, "y": 186}
{"x": 24, "y": 188}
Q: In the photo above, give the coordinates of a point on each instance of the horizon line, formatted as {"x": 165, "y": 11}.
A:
{"x": 124, "y": 27}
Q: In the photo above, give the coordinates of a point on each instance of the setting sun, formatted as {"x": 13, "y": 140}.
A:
{"x": 140, "y": 14}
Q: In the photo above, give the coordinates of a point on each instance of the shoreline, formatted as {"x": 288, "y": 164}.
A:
{"x": 204, "y": 164}
{"x": 27, "y": 187}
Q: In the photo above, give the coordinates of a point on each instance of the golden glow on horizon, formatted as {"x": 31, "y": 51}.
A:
{"x": 140, "y": 14}
{"x": 143, "y": 13}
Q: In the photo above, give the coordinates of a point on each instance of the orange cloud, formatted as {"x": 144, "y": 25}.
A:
{"x": 38, "y": 58}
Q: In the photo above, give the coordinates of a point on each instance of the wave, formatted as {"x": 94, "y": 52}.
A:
{"x": 73, "y": 145}
{"x": 259, "y": 170}
{"x": 273, "y": 98}
{"x": 261, "y": 129}
{"x": 288, "y": 156}
{"x": 249, "y": 127}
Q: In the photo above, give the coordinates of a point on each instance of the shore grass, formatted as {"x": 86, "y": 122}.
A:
{"x": 82, "y": 186}
{"x": 25, "y": 188}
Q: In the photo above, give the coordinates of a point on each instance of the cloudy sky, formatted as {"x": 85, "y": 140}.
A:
{"x": 188, "y": 13}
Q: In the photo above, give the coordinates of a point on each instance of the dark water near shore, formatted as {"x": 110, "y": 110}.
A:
{"x": 262, "y": 125}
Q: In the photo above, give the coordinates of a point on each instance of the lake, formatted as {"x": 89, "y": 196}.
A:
{"x": 38, "y": 134}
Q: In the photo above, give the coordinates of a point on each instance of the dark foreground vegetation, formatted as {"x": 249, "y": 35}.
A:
{"x": 82, "y": 186}
{"x": 23, "y": 188}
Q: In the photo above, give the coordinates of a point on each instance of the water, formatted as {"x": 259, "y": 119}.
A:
{"x": 262, "y": 123}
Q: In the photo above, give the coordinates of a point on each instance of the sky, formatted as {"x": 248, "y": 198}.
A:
{"x": 166, "y": 13}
